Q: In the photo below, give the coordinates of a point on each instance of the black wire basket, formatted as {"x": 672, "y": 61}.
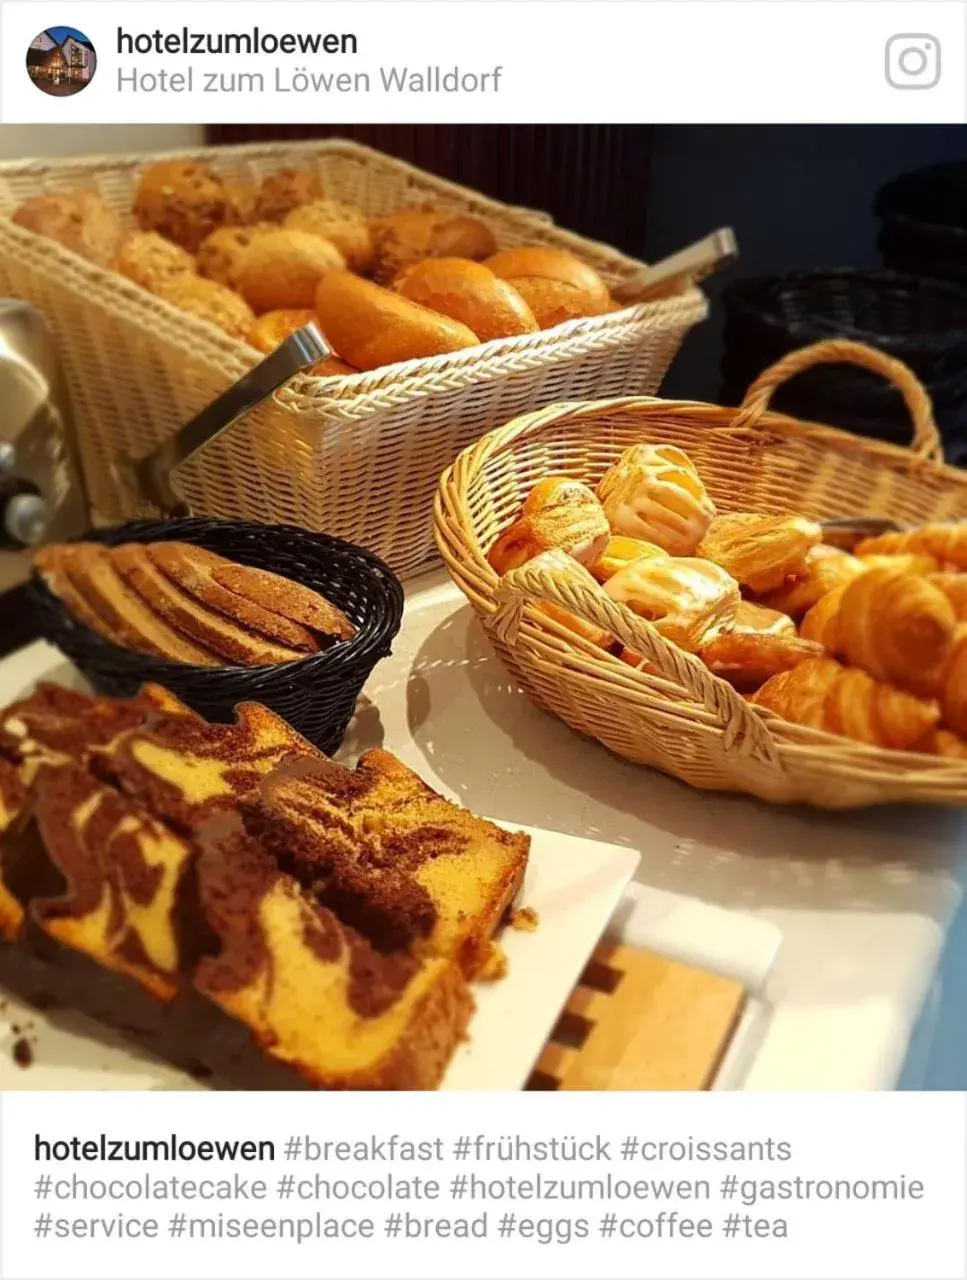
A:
{"x": 923, "y": 222}
{"x": 316, "y": 695}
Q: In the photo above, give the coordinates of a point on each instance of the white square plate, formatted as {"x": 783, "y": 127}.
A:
{"x": 573, "y": 884}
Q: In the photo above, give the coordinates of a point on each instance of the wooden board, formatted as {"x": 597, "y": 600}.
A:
{"x": 638, "y": 1021}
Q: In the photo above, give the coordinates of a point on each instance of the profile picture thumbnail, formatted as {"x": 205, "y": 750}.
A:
{"x": 61, "y": 61}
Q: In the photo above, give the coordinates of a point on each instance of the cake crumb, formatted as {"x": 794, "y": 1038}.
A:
{"x": 495, "y": 966}
{"x": 524, "y": 919}
{"x": 23, "y": 1054}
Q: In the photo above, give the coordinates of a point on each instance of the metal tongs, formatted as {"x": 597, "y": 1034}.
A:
{"x": 686, "y": 267}
{"x": 847, "y": 531}
{"x": 152, "y": 477}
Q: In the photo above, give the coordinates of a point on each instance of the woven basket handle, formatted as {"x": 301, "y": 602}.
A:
{"x": 554, "y": 578}
{"x": 926, "y": 443}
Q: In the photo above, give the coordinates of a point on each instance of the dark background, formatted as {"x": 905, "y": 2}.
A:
{"x": 797, "y": 196}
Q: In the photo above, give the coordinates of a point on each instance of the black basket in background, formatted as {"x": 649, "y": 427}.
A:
{"x": 923, "y": 222}
{"x": 316, "y": 695}
{"x": 923, "y": 323}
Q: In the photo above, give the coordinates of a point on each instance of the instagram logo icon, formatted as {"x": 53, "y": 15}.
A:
{"x": 913, "y": 61}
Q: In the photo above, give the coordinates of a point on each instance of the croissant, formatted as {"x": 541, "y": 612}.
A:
{"x": 687, "y": 600}
{"x": 654, "y": 493}
{"x": 849, "y": 702}
{"x": 907, "y": 562}
{"x": 895, "y": 626}
{"x": 747, "y": 659}
{"x": 825, "y": 569}
{"x": 954, "y": 587}
{"x": 560, "y": 513}
{"x": 945, "y": 542}
{"x": 759, "y": 551}
{"x": 620, "y": 552}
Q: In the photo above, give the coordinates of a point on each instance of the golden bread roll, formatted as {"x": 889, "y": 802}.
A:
{"x": 340, "y": 224}
{"x": 747, "y": 659}
{"x": 947, "y": 543}
{"x": 220, "y": 255}
{"x": 272, "y": 328}
{"x": 208, "y": 301}
{"x": 409, "y": 236}
{"x": 760, "y": 551}
{"x": 468, "y": 292}
{"x": 559, "y": 514}
{"x": 621, "y": 552}
{"x": 848, "y": 702}
{"x": 286, "y": 189}
{"x": 556, "y": 285}
{"x": 182, "y": 200}
{"x": 654, "y": 493}
{"x": 371, "y": 326}
{"x": 895, "y": 626}
{"x": 282, "y": 269}
{"x": 147, "y": 259}
{"x": 687, "y": 600}
{"x": 826, "y": 568}
{"x": 79, "y": 220}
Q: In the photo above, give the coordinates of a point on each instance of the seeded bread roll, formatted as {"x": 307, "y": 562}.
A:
{"x": 285, "y": 190}
{"x": 468, "y": 292}
{"x": 414, "y": 234}
{"x": 149, "y": 259}
{"x": 281, "y": 270}
{"x": 555, "y": 284}
{"x": 79, "y": 220}
{"x": 370, "y": 326}
{"x": 342, "y": 225}
{"x": 220, "y": 255}
{"x": 209, "y": 301}
{"x": 182, "y": 200}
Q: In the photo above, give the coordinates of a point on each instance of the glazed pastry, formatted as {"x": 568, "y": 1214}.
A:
{"x": 285, "y": 190}
{"x": 148, "y": 259}
{"x": 340, "y": 224}
{"x": 849, "y": 702}
{"x": 759, "y": 551}
{"x": 896, "y": 626}
{"x": 945, "y": 542}
{"x": 559, "y": 513}
{"x": 654, "y": 493}
{"x": 686, "y": 600}
{"x": 620, "y": 552}
{"x": 747, "y": 659}
{"x": 826, "y": 568}
{"x": 954, "y": 587}
{"x": 756, "y": 619}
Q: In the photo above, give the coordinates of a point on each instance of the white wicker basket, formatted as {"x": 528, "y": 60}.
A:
{"x": 358, "y": 457}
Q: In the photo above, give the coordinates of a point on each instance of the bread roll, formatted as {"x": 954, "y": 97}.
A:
{"x": 555, "y": 284}
{"x": 275, "y": 326}
{"x": 411, "y": 235}
{"x": 468, "y": 292}
{"x": 220, "y": 254}
{"x": 285, "y": 190}
{"x": 342, "y": 225}
{"x": 281, "y": 269}
{"x": 182, "y": 200}
{"x": 209, "y": 301}
{"x": 370, "y": 326}
{"x": 149, "y": 259}
{"x": 79, "y": 220}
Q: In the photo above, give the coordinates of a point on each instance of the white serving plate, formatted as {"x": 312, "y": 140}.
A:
{"x": 573, "y": 884}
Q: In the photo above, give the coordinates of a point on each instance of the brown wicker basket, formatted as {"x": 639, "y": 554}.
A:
{"x": 358, "y": 457}
{"x": 686, "y": 721}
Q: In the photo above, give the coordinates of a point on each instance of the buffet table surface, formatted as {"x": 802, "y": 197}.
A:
{"x": 864, "y": 901}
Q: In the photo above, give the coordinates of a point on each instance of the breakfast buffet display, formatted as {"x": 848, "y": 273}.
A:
{"x": 258, "y": 261}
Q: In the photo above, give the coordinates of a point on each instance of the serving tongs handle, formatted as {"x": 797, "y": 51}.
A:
{"x": 152, "y": 475}
{"x": 687, "y": 267}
